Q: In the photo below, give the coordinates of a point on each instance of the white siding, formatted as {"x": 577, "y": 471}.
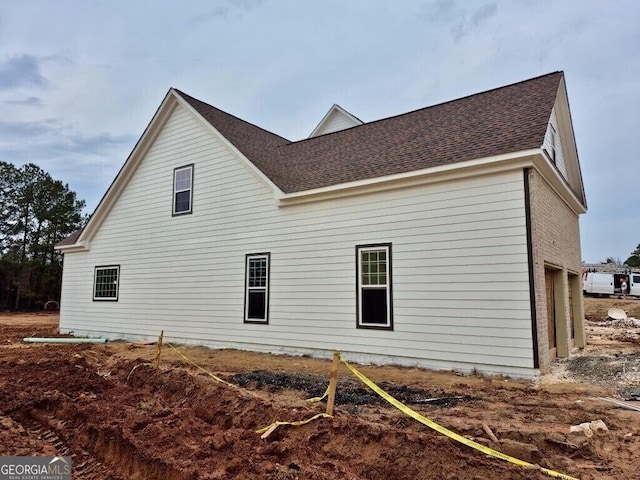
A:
{"x": 560, "y": 161}
{"x": 334, "y": 122}
{"x": 460, "y": 272}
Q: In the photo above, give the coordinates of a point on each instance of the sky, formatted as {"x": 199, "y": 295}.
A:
{"x": 80, "y": 80}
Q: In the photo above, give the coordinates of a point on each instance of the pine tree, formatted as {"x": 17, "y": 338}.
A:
{"x": 36, "y": 212}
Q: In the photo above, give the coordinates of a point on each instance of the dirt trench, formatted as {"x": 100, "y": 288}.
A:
{"x": 120, "y": 418}
{"x": 130, "y": 421}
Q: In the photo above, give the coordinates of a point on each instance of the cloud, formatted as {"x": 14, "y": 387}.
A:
{"x": 236, "y": 8}
{"x": 28, "y": 129}
{"x": 29, "y": 102}
{"x": 50, "y": 139}
{"x": 473, "y": 21}
{"x": 87, "y": 162}
{"x": 455, "y": 16}
{"x": 441, "y": 11}
{"x": 20, "y": 71}
{"x": 483, "y": 13}
{"x": 96, "y": 143}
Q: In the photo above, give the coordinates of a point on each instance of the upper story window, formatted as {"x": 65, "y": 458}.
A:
{"x": 106, "y": 281}
{"x": 553, "y": 142}
{"x": 374, "y": 286}
{"x": 182, "y": 190}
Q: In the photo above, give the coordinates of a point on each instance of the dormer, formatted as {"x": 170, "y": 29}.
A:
{"x": 336, "y": 119}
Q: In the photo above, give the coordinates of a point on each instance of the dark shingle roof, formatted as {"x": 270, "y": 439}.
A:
{"x": 499, "y": 121}
{"x": 71, "y": 239}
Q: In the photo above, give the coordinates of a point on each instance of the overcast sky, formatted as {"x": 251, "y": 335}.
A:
{"x": 80, "y": 80}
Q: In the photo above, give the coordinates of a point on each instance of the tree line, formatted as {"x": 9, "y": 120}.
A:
{"x": 36, "y": 212}
{"x": 634, "y": 260}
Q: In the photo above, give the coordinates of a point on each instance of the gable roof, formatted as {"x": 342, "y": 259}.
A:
{"x": 256, "y": 144}
{"x": 502, "y": 124}
{"x": 337, "y": 118}
{"x": 507, "y": 119}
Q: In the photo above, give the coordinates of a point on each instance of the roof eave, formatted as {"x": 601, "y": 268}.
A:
{"x": 545, "y": 166}
{"x": 82, "y": 246}
{"x": 453, "y": 171}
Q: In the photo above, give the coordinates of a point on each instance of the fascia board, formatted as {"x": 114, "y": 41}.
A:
{"x": 128, "y": 169}
{"x": 277, "y": 193}
{"x": 74, "y": 247}
{"x": 353, "y": 118}
{"x": 322, "y": 122}
{"x": 481, "y": 166}
{"x": 166, "y": 108}
{"x": 335, "y": 108}
{"x": 550, "y": 173}
{"x": 565, "y": 125}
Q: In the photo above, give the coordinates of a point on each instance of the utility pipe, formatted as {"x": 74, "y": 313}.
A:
{"x": 64, "y": 340}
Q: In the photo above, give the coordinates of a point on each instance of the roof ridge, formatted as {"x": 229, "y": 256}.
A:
{"x": 364, "y": 124}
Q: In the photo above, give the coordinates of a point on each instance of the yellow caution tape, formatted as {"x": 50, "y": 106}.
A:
{"x": 445, "y": 431}
{"x": 266, "y": 431}
{"x": 318, "y": 399}
{"x": 218, "y": 379}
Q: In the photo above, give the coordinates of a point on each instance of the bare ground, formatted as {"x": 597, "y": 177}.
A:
{"x": 120, "y": 418}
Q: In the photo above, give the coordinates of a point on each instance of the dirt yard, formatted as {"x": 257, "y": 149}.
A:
{"x": 120, "y": 418}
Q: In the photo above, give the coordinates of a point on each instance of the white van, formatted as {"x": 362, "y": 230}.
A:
{"x": 633, "y": 283}
{"x": 595, "y": 283}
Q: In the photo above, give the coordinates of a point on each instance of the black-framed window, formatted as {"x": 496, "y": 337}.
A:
{"x": 106, "y": 282}
{"x": 256, "y": 304}
{"x": 374, "y": 289}
{"x": 183, "y": 190}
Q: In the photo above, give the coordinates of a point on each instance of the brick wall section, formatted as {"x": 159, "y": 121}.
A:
{"x": 556, "y": 244}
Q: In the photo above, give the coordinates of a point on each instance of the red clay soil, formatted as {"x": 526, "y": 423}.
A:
{"x": 120, "y": 418}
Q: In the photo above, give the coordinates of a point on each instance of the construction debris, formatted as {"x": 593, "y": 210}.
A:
{"x": 589, "y": 427}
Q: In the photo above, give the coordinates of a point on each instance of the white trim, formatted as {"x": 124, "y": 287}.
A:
{"x": 547, "y": 169}
{"x": 171, "y": 100}
{"x": 454, "y": 171}
{"x": 568, "y": 143}
{"x": 335, "y": 108}
{"x": 129, "y": 168}
{"x": 74, "y": 247}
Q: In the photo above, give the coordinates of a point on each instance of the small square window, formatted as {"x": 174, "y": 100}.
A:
{"x": 106, "y": 282}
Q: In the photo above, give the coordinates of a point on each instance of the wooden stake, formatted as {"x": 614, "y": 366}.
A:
{"x": 490, "y": 433}
{"x": 333, "y": 382}
{"x": 269, "y": 431}
{"x": 157, "y": 361}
